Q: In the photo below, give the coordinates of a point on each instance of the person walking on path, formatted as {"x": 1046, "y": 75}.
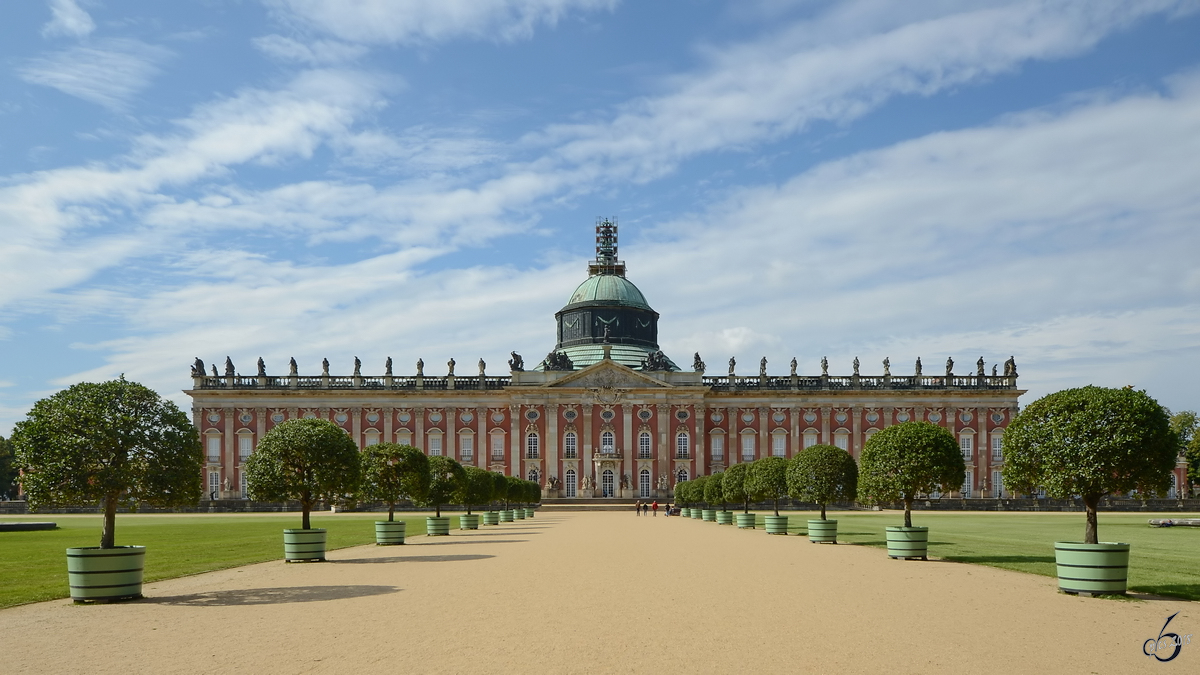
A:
{"x": 638, "y": 508}
{"x": 654, "y": 507}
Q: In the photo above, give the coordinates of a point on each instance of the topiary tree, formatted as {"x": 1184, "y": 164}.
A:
{"x": 8, "y": 471}
{"x": 766, "y": 478}
{"x": 696, "y": 489}
{"x": 516, "y": 490}
{"x": 112, "y": 443}
{"x": 734, "y": 486}
{"x": 535, "y": 492}
{"x": 822, "y": 474}
{"x": 391, "y": 472}
{"x": 306, "y": 460}
{"x": 499, "y": 488}
{"x": 714, "y": 490}
{"x": 681, "y": 493}
{"x": 445, "y": 479}
{"x": 1090, "y": 441}
{"x": 908, "y": 459}
{"x": 477, "y": 487}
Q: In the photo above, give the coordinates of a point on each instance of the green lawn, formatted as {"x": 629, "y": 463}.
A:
{"x": 33, "y": 565}
{"x": 1163, "y": 561}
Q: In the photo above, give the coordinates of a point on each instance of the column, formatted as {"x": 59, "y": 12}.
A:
{"x": 699, "y": 446}
{"x": 825, "y": 438}
{"x": 229, "y": 455}
{"x": 389, "y": 415}
{"x": 514, "y": 443}
{"x": 586, "y": 469}
{"x": 664, "y": 448}
{"x": 551, "y": 441}
{"x": 356, "y": 426}
{"x": 983, "y": 451}
{"x": 856, "y": 431}
{"x": 764, "y": 433}
{"x": 483, "y": 445}
{"x": 627, "y": 463}
{"x": 451, "y": 437}
{"x": 796, "y": 442}
{"x": 733, "y": 444}
{"x": 419, "y": 429}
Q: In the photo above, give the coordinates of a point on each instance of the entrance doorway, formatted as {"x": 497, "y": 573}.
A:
{"x": 644, "y": 483}
{"x": 569, "y": 482}
{"x": 606, "y": 483}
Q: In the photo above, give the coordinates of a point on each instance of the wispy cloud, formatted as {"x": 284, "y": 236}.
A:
{"x": 68, "y": 19}
{"x": 109, "y": 72}
{"x": 314, "y": 53}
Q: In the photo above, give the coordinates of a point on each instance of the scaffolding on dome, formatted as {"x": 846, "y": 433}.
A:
{"x": 606, "y": 250}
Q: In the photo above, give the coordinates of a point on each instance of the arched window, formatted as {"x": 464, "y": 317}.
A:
{"x": 718, "y": 447}
{"x": 607, "y": 445}
{"x": 682, "y": 445}
{"x": 435, "y": 444}
{"x": 570, "y": 483}
{"x": 570, "y": 445}
{"x": 644, "y": 445}
{"x": 748, "y": 447}
{"x": 532, "y": 476}
{"x": 644, "y": 483}
{"x": 779, "y": 444}
{"x": 498, "y": 446}
{"x": 531, "y": 446}
{"x": 681, "y": 475}
{"x": 466, "y": 447}
{"x": 371, "y": 437}
{"x": 607, "y": 486}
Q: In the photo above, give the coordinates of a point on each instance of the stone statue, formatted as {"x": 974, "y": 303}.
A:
{"x": 197, "y": 368}
{"x": 918, "y": 366}
{"x": 557, "y": 361}
{"x": 1010, "y": 367}
{"x": 656, "y": 361}
{"x": 606, "y": 334}
{"x": 762, "y": 367}
{"x": 624, "y": 481}
{"x": 262, "y": 367}
{"x": 949, "y": 366}
{"x": 698, "y": 364}
{"x": 824, "y": 366}
{"x": 552, "y": 482}
{"x": 226, "y": 484}
{"x": 450, "y": 366}
{"x": 993, "y": 370}
{"x": 387, "y": 366}
{"x": 732, "y": 363}
{"x": 856, "y": 365}
{"x": 516, "y": 363}
{"x": 214, "y": 370}
{"x": 420, "y": 368}
{"x": 325, "y": 367}
{"x": 662, "y": 481}
{"x": 482, "y": 368}
{"x": 979, "y": 367}
{"x": 793, "y": 373}
{"x": 292, "y": 368}
{"x": 887, "y": 366}
{"x": 357, "y": 367}
{"x": 228, "y": 367}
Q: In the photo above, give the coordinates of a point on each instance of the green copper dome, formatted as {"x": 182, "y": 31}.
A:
{"x": 609, "y": 288}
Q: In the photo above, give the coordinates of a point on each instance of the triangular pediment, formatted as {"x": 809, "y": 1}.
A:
{"x": 609, "y": 375}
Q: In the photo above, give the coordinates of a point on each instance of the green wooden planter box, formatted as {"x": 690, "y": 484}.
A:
{"x": 437, "y": 527}
{"x": 470, "y": 522}
{"x": 304, "y": 545}
{"x": 491, "y": 517}
{"x": 776, "y": 524}
{"x": 105, "y": 574}
{"x": 1092, "y": 569}
{"x": 708, "y": 515}
{"x": 697, "y": 514}
{"x": 389, "y": 533}
{"x": 519, "y": 514}
{"x": 685, "y": 512}
{"x": 908, "y": 543}
{"x": 528, "y": 513}
{"x": 507, "y": 516}
{"x": 745, "y": 521}
{"x": 724, "y": 517}
{"x": 822, "y": 531}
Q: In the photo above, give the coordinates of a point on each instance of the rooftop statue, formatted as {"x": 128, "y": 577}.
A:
{"x": 420, "y": 367}
{"x": 656, "y": 361}
{"x": 949, "y": 366}
{"x": 229, "y": 367}
{"x": 387, "y": 366}
{"x": 993, "y": 370}
{"x": 824, "y": 366}
{"x": 516, "y": 363}
{"x": 450, "y": 366}
{"x": 262, "y": 367}
{"x": 856, "y": 365}
{"x": 1010, "y": 367}
{"x": 214, "y": 370}
{"x": 732, "y": 363}
{"x": 793, "y": 366}
{"x": 887, "y": 366}
{"x": 357, "y": 367}
{"x": 918, "y": 366}
{"x": 292, "y": 368}
{"x": 482, "y": 368}
{"x": 979, "y": 367}
{"x": 197, "y": 368}
{"x": 557, "y": 361}
{"x": 762, "y": 367}
{"x": 698, "y": 364}
{"x": 325, "y": 367}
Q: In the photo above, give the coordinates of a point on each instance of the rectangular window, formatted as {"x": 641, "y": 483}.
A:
{"x": 404, "y": 437}
{"x": 966, "y": 488}
{"x": 214, "y": 484}
{"x": 967, "y": 443}
{"x": 644, "y": 446}
{"x": 779, "y": 445}
{"x": 682, "y": 449}
{"x": 242, "y": 486}
{"x": 810, "y": 440}
{"x": 466, "y": 447}
{"x": 435, "y": 445}
{"x": 245, "y": 446}
{"x": 718, "y": 448}
{"x": 372, "y": 439}
{"x": 570, "y": 446}
{"x": 214, "y": 448}
{"x": 997, "y": 448}
{"x": 842, "y": 441}
{"x": 498, "y": 447}
{"x": 997, "y": 483}
{"x": 747, "y": 447}
{"x": 531, "y": 446}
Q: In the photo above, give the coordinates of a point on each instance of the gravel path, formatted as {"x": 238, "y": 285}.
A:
{"x": 599, "y": 592}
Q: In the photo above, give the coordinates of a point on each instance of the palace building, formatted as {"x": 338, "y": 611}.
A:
{"x": 606, "y": 413}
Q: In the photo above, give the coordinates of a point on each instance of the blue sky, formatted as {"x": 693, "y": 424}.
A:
{"x": 419, "y": 178}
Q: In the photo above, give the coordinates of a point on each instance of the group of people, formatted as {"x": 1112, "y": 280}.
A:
{"x": 644, "y": 508}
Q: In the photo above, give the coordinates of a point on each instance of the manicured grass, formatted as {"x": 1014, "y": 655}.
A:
{"x": 33, "y": 565}
{"x": 1162, "y": 561}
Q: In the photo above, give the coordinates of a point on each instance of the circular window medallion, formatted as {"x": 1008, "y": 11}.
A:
{"x": 435, "y": 417}
{"x": 840, "y": 417}
{"x": 810, "y": 417}
{"x": 779, "y": 417}
{"x": 607, "y": 415}
{"x": 532, "y": 415}
{"x": 466, "y": 417}
{"x": 967, "y": 417}
{"x": 872, "y": 417}
{"x": 645, "y": 415}
{"x": 310, "y": 415}
{"x": 747, "y": 417}
{"x": 935, "y": 417}
{"x": 341, "y": 417}
{"x": 497, "y": 417}
{"x": 997, "y": 418}
{"x": 682, "y": 415}
{"x": 570, "y": 415}
{"x": 372, "y": 417}
{"x": 246, "y": 418}
{"x": 717, "y": 417}
{"x": 902, "y": 417}
{"x": 404, "y": 417}
{"x": 277, "y": 418}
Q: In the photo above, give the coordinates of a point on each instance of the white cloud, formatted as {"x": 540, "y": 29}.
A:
{"x": 68, "y": 19}
{"x": 316, "y": 53}
{"x": 108, "y": 73}
{"x": 419, "y": 21}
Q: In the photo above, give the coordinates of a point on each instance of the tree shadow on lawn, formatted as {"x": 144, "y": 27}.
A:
{"x": 1173, "y": 592}
{"x": 458, "y": 541}
{"x": 412, "y": 558}
{"x": 271, "y": 596}
{"x": 989, "y": 559}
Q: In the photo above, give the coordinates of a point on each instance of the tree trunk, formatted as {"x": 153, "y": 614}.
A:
{"x": 746, "y": 506}
{"x": 305, "y": 524}
{"x": 822, "y": 512}
{"x": 108, "y": 535}
{"x": 391, "y": 511}
{"x": 437, "y": 510}
{"x": 1089, "y": 534}
{"x": 777, "y": 506}
{"x": 908, "y": 511}
{"x": 468, "y": 509}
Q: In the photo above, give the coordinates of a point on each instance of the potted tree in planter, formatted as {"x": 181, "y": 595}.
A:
{"x": 902, "y": 461}
{"x": 535, "y": 496}
{"x": 445, "y": 479}
{"x": 392, "y": 472}
{"x": 714, "y": 494}
{"x": 476, "y": 488}
{"x": 766, "y": 479}
{"x": 304, "y": 460}
{"x": 696, "y": 490}
{"x": 516, "y": 497}
{"x": 1090, "y": 442}
{"x": 734, "y": 487}
{"x": 112, "y": 443}
{"x": 499, "y": 494}
{"x": 822, "y": 474}
{"x": 681, "y": 498}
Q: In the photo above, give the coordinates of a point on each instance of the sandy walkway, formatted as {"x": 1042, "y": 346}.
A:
{"x": 598, "y": 593}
